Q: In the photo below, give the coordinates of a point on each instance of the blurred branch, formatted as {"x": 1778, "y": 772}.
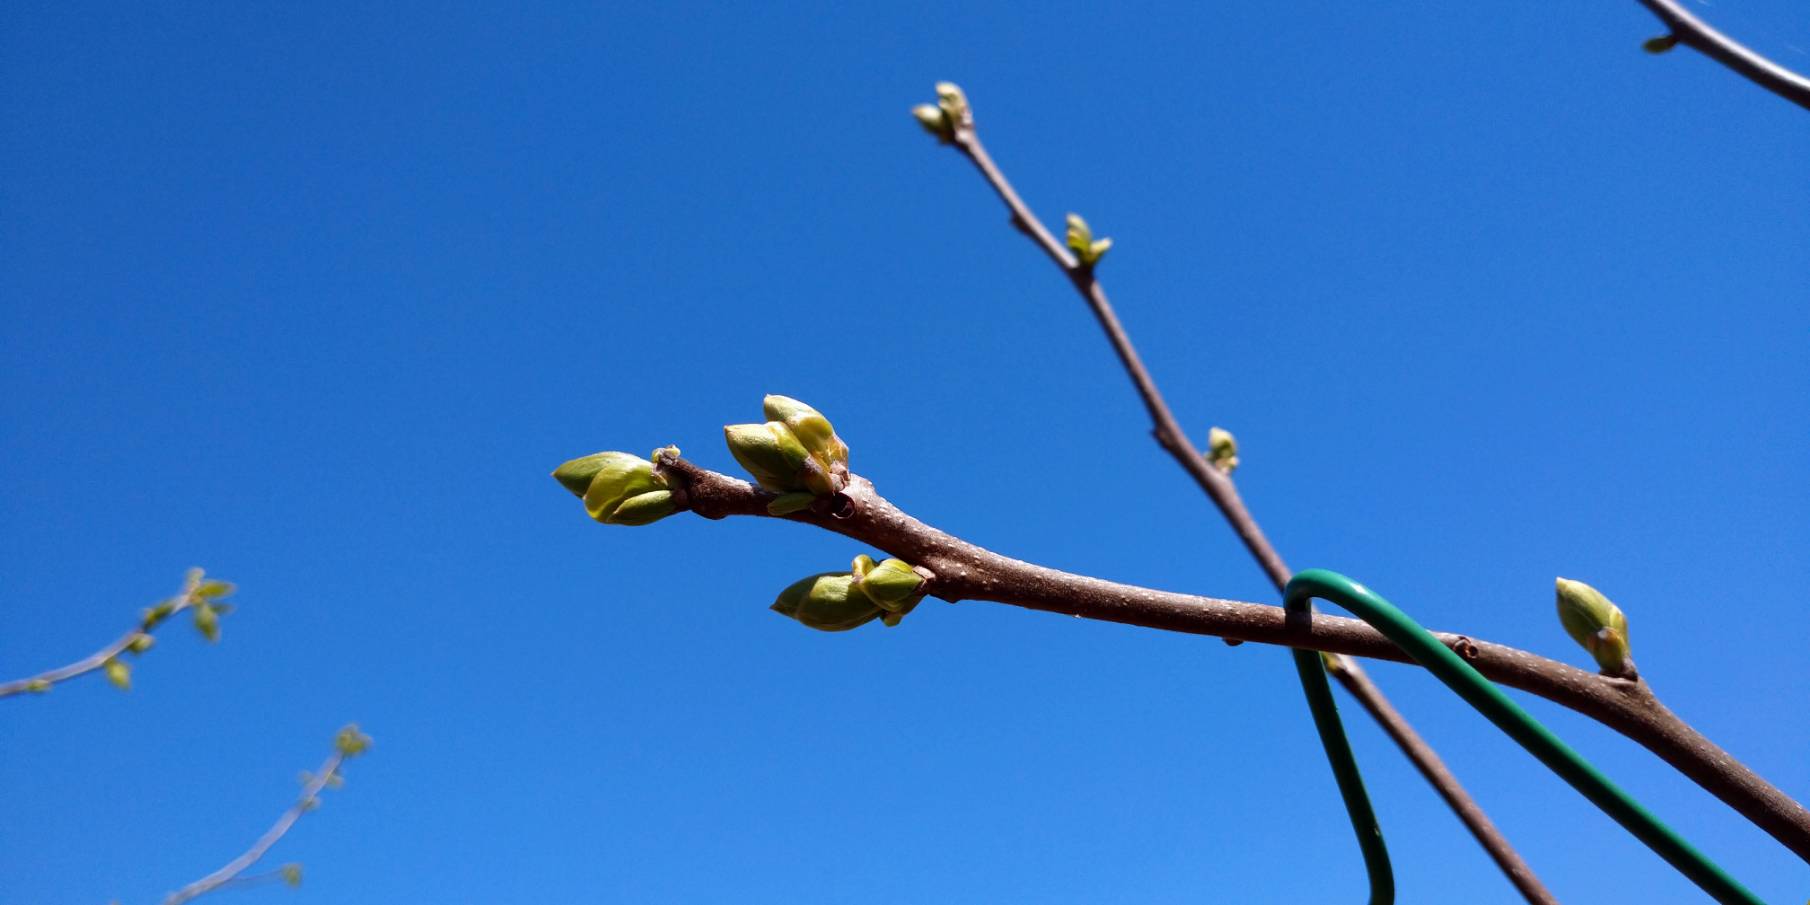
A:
{"x": 1697, "y": 34}
{"x": 1216, "y": 481}
{"x": 349, "y": 743}
{"x": 198, "y": 593}
{"x": 963, "y": 571}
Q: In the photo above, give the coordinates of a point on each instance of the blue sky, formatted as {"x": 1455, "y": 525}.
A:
{"x": 315, "y": 297}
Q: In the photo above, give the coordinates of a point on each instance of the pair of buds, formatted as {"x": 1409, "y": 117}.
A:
{"x": 619, "y": 488}
{"x": 795, "y": 454}
{"x": 839, "y": 601}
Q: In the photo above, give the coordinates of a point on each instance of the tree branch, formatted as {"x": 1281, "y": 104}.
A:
{"x": 349, "y": 743}
{"x": 196, "y": 592}
{"x": 1220, "y": 489}
{"x": 964, "y": 571}
{"x": 1699, "y": 36}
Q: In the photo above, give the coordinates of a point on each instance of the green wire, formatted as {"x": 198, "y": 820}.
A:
{"x": 1344, "y": 764}
{"x": 1480, "y": 693}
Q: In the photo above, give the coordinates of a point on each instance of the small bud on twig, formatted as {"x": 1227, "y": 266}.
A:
{"x": 839, "y": 601}
{"x": 1597, "y": 625}
{"x": 1081, "y": 241}
{"x": 1660, "y": 44}
{"x": 1222, "y": 450}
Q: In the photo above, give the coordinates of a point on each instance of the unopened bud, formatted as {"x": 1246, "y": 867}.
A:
{"x": 350, "y": 742}
{"x": 829, "y": 602}
{"x": 119, "y": 674}
{"x": 618, "y": 488}
{"x": 140, "y": 643}
{"x": 1222, "y": 450}
{"x": 1660, "y": 44}
{"x": 932, "y": 118}
{"x": 1081, "y": 241}
{"x": 37, "y": 686}
{"x": 776, "y": 458}
{"x": 893, "y": 585}
{"x": 207, "y": 621}
{"x": 292, "y": 874}
{"x": 1597, "y": 625}
{"x": 954, "y": 105}
{"x": 812, "y": 429}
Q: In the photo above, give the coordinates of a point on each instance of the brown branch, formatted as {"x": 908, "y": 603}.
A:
{"x": 1699, "y": 36}
{"x": 350, "y": 743}
{"x": 1224, "y": 494}
{"x": 964, "y": 571}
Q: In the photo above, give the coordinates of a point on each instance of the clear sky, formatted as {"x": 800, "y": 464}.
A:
{"x": 316, "y": 296}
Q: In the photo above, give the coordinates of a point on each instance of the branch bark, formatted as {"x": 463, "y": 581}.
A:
{"x": 965, "y": 571}
{"x": 1701, "y": 37}
{"x": 1223, "y": 492}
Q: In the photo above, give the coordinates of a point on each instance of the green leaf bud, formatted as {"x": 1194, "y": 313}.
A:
{"x": 207, "y": 621}
{"x": 1597, "y": 625}
{"x": 291, "y": 874}
{"x": 37, "y": 686}
{"x": 812, "y": 429}
{"x": 158, "y": 613}
{"x": 934, "y": 121}
{"x": 350, "y": 742}
{"x": 1660, "y": 44}
{"x": 140, "y": 643}
{"x": 1222, "y": 450}
{"x": 893, "y": 585}
{"x": 643, "y": 509}
{"x": 615, "y": 479}
{"x": 861, "y": 565}
{"x": 119, "y": 674}
{"x": 776, "y": 459}
{"x": 1088, "y": 250}
{"x": 788, "y": 503}
{"x": 954, "y": 106}
{"x": 214, "y": 589}
{"x": 827, "y": 602}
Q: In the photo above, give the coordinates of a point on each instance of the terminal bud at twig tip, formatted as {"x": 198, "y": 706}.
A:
{"x": 1222, "y": 450}
{"x": 292, "y": 874}
{"x": 1597, "y": 625}
{"x": 619, "y": 488}
{"x": 1081, "y": 241}
{"x": 350, "y": 742}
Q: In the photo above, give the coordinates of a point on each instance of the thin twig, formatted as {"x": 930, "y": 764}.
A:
{"x": 192, "y": 595}
{"x": 1701, "y": 37}
{"x": 964, "y": 571}
{"x": 350, "y": 743}
{"x": 1224, "y": 494}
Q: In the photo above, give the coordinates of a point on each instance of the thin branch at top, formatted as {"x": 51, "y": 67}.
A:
{"x": 1704, "y": 39}
{"x": 1223, "y": 492}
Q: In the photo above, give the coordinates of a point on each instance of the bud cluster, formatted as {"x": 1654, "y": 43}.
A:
{"x": 795, "y": 454}
{"x": 619, "y": 488}
{"x": 1088, "y": 250}
{"x": 950, "y": 113}
{"x": 839, "y": 601}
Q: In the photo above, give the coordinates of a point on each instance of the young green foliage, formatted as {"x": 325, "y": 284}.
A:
{"x": 1081, "y": 241}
